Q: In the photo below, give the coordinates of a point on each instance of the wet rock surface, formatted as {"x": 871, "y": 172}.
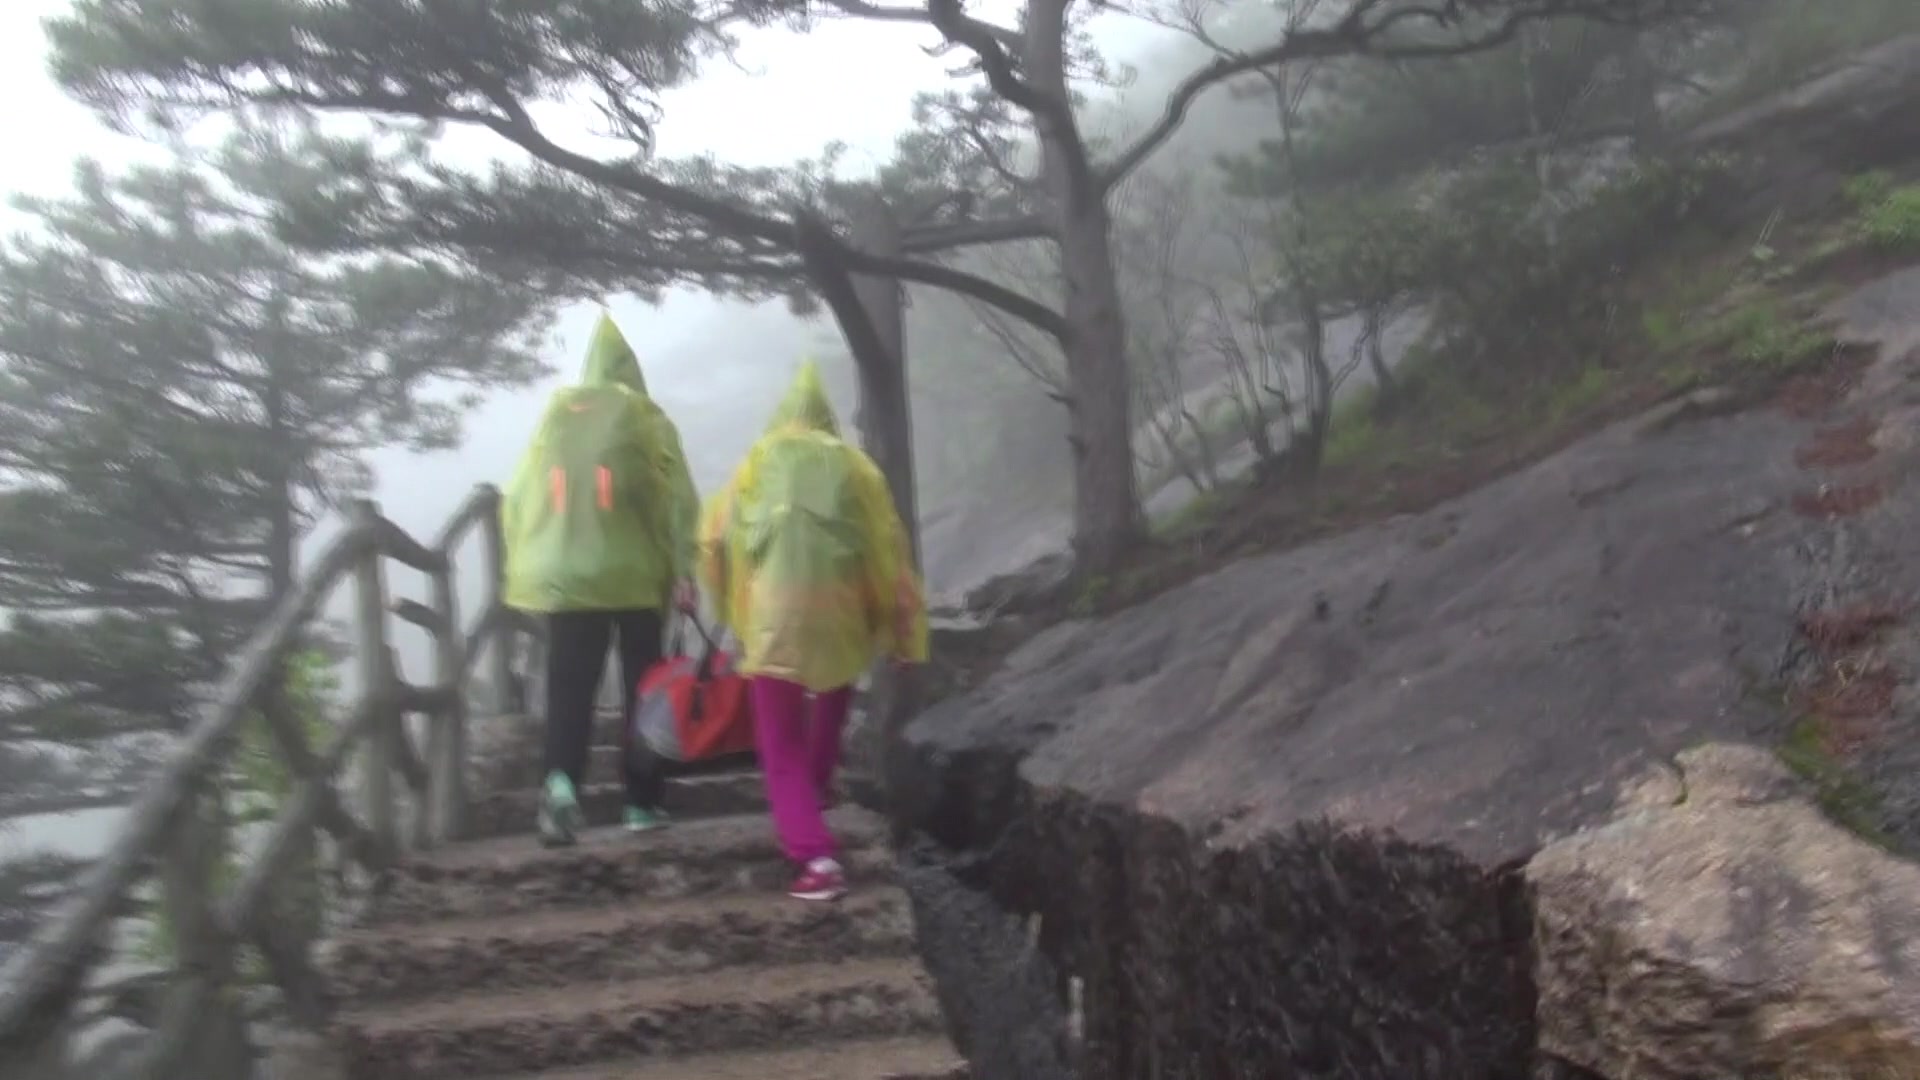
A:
{"x": 1731, "y": 934}
{"x": 1480, "y": 676}
{"x": 1000, "y": 995}
{"x": 509, "y": 810}
{"x": 512, "y": 876}
{"x": 745, "y": 1008}
{"x": 1858, "y": 114}
{"x": 557, "y": 948}
{"x": 1274, "y": 820}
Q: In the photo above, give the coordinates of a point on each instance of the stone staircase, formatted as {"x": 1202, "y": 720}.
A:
{"x": 672, "y": 954}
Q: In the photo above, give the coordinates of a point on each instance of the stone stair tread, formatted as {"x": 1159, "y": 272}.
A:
{"x": 610, "y": 786}
{"x": 548, "y": 925}
{"x": 735, "y": 986}
{"x": 510, "y": 811}
{"x": 633, "y": 940}
{"x": 864, "y": 1059}
{"x": 698, "y": 837}
{"x": 610, "y": 867}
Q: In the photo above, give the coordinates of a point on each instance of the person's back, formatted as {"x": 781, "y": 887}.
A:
{"x": 595, "y": 517}
{"x": 810, "y": 563}
{"x": 598, "y": 527}
{"x": 802, "y": 533}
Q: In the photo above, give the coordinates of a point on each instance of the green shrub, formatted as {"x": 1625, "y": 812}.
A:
{"x": 1760, "y": 335}
{"x": 1581, "y": 393}
{"x": 1869, "y": 189}
{"x": 1844, "y": 798}
{"x": 1351, "y": 433}
{"x": 1893, "y": 223}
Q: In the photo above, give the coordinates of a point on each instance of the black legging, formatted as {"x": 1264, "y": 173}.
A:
{"x": 577, "y": 644}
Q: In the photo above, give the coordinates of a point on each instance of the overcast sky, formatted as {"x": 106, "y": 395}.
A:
{"x": 850, "y": 81}
{"x": 790, "y": 96}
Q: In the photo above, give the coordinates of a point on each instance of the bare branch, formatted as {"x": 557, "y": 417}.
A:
{"x": 928, "y": 239}
{"x": 1360, "y": 33}
{"x": 1021, "y": 307}
{"x": 1005, "y": 38}
{"x": 1052, "y": 381}
{"x": 997, "y": 63}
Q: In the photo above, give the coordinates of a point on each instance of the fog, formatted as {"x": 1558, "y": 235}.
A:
{"x": 716, "y": 366}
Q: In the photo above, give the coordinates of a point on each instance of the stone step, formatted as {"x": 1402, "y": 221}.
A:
{"x": 511, "y": 812}
{"x": 864, "y": 1059}
{"x": 507, "y": 752}
{"x": 603, "y": 764}
{"x": 739, "y": 1009}
{"x": 635, "y": 941}
{"x": 511, "y": 875}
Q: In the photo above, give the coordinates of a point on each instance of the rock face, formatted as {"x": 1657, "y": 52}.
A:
{"x": 1481, "y": 676}
{"x": 1274, "y": 821}
{"x": 1731, "y": 935}
{"x": 1859, "y": 114}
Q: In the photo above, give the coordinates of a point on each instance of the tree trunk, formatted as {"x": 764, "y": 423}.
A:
{"x": 886, "y": 414}
{"x": 1542, "y": 153}
{"x": 886, "y": 428}
{"x": 1106, "y": 497}
{"x": 1107, "y": 522}
{"x": 1310, "y": 446}
{"x": 1209, "y": 463}
{"x": 1386, "y": 392}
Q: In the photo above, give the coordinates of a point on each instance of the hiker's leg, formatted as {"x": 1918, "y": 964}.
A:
{"x": 576, "y": 658}
{"x": 640, "y": 638}
{"x": 823, "y": 737}
{"x": 779, "y": 720}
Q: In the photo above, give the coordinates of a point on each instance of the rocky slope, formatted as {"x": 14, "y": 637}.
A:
{"x": 1274, "y": 823}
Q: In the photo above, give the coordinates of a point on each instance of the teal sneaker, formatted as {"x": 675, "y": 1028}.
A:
{"x": 560, "y": 817}
{"x": 640, "y": 819}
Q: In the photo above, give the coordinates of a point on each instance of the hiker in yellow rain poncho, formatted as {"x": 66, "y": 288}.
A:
{"x": 807, "y": 556}
{"x": 598, "y": 521}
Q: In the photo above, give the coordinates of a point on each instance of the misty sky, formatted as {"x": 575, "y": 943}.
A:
{"x": 789, "y": 97}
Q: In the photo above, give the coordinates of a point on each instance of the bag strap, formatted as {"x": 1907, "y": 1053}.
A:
{"x": 703, "y": 666}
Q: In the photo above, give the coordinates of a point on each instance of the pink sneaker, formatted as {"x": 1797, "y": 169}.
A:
{"x": 821, "y": 879}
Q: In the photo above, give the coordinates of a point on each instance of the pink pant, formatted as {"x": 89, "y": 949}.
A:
{"x": 799, "y": 750}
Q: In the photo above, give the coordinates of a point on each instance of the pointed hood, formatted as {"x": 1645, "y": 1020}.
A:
{"x": 806, "y": 404}
{"x": 610, "y": 360}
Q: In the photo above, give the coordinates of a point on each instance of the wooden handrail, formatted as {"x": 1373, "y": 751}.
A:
{"x": 420, "y": 615}
{"x": 55, "y": 954}
{"x": 175, "y": 821}
{"x": 481, "y": 506}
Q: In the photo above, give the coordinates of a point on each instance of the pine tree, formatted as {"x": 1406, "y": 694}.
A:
{"x": 181, "y": 394}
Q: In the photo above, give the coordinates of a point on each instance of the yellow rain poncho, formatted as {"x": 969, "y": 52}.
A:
{"x": 806, "y": 553}
{"x": 599, "y": 514}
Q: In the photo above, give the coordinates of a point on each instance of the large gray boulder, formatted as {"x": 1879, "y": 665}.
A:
{"x": 1727, "y": 931}
{"x": 1275, "y": 819}
{"x": 1856, "y": 114}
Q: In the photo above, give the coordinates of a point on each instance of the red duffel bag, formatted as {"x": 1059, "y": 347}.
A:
{"x": 693, "y": 708}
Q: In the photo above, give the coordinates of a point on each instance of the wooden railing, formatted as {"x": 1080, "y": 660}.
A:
{"x": 178, "y": 830}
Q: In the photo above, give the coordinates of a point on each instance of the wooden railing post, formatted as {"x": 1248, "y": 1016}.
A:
{"x": 177, "y": 829}
{"x": 198, "y": 1033}
{"x": 500, "y": 657}
{"x": 374, "y": 664}
{"x": 447, "y": 735}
